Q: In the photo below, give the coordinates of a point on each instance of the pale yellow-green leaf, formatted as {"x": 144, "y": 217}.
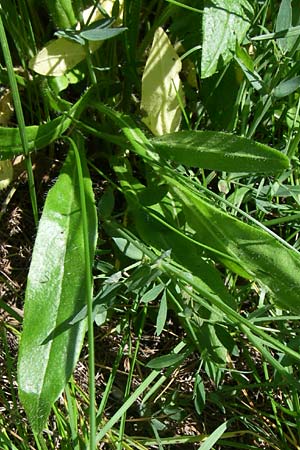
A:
{"x": 6, "y": 173}
{"x": 61, "y": 55}
{"x": 161, "y": 87}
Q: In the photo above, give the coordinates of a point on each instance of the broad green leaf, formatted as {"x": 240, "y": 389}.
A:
{"x": 225, "y": 22}
{"x": 260, "y": 253}
{"x": 161, "y": 87}
{"x": 219, "y": 151}
{"x": 128, "y": 249}
{"x": 55, "y": 292}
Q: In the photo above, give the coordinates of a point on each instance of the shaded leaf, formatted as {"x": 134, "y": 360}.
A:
{"x": 55, "y": 291}
{"x": 283, "y": 22}
{"x": 287, "y": 87}
{"x": 162, "y": 314}
{"x": 166, "y": 360}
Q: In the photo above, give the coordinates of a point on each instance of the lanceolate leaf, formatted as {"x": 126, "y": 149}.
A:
{"x": 55, "y": 293}
{"x": 219, "y": 151}
{"x": 261, "y": 254}
{"x": 225, "y": 22}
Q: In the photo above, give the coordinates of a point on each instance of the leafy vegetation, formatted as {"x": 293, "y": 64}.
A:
{"x": 162, "y": 298}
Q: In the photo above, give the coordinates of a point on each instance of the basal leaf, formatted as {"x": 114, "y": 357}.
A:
{"x": 219, "y": 151}
{"x": 55, "y": 292}
{"x": 225, "y": 22}
{"x": 161, "y": 86}
{"x": 260, "y": 253}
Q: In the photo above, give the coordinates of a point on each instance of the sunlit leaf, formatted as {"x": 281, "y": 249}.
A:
{"x": 55, "y": 292}
{"x": 219, "y": 151}
{"x": 161, "y": 87}
{"x": 61, "y": 55}
{"x": 225, "y": 22}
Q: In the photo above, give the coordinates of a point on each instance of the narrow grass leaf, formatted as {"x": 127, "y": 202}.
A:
{"x": 214, "y": 437}
{"x": 225, "y": 22}
{"x": 219, "y": 151}
{"x": 161, "y": 85}
{"x": 55, "y": 291}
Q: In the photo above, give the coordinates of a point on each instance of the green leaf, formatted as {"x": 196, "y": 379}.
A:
{"x": 283, "y": 22}
{"x": 164, "y": 361}
{"x": 225, "y": 22}
{"x": 199, "y": 394}
{"x": 214, "y": 437}
{"x": 55, "y": 292}
{"x": 38, "y": 136}
{"x": 162, "y": 314}
{"x": 287, "y": 87}
{"x": 152, "y": 294}
{"x": 100, "y": 31}
{"x": 219, "y": 151}
{"x": 259, "y": 252}
{"x": 128, "y": 249}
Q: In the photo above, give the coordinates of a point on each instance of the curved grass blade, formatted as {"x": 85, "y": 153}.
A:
{"x": 219, "y": 151}
{"x": 55, "y": 291}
